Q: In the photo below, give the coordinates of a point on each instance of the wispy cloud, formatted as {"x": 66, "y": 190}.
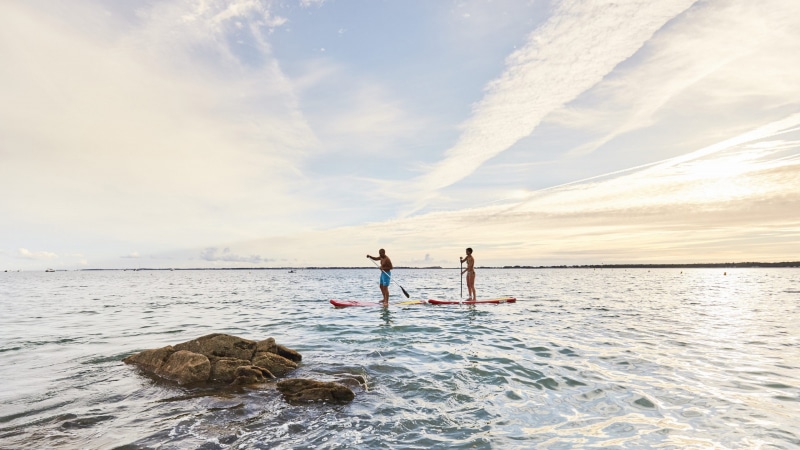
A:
{"x": 726, "y": 202}
{"x": 578, "y": 46}
{"x": 714, "y": 50}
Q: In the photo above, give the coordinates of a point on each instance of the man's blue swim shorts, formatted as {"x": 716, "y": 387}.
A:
{"x": 386, "y": 278}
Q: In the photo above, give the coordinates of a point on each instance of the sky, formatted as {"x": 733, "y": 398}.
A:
{"x": 298, "y": 133}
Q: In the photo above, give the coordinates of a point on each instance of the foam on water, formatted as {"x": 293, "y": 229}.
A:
{"x": 630, "y": 358}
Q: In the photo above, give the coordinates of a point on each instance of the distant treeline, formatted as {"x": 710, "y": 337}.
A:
{"x": 585, "y": 266}
{"x": 665, "y": 266}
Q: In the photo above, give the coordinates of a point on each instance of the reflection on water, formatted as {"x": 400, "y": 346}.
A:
{"x": 586, "y": 358}
{"x": 386, "y": 316}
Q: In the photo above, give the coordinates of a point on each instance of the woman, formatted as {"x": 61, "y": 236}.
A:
{"x": 470, "y": 271}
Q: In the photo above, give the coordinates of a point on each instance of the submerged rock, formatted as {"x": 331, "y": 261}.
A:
{"x": 299, "y": 390}
{"x": 353, "y": 381}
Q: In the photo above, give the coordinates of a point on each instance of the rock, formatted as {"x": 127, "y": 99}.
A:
{"x": 220, "y": 346}
{"x": 221, "y": 358}
{"x": 268, "y": 345}
{"x": 150, "y": 360}
{"x": 276, "y": 364}
{"x": 185, "y": 367}
{"x": 223, "y": 370}
{"x": 216, "y": 358}
{"x": 299, "y": 390}
{"x": 353, "y": 381}
{"x": 289, "y": 354}
{"x": 251, "y": 375}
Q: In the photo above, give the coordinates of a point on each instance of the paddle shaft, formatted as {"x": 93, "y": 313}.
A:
{"x": 461, "y": 276}
{"x": 390, "y": 277}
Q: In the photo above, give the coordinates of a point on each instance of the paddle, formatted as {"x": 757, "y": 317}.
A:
{"x": 461, "y": 271}
{"x": 390, "y": 277}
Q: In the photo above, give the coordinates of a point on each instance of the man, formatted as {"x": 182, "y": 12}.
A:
{"x": 470, "y": 271}
{"x": 386, "y": 273}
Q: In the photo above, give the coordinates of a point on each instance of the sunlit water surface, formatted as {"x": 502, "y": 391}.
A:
{"x": 613, "y": 358}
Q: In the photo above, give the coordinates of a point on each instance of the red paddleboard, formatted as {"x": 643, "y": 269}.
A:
{"x": 343, "y": 303}
{"x": 494, "y": 300}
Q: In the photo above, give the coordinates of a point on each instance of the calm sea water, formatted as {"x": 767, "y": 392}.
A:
{"x": 637, "y": 358}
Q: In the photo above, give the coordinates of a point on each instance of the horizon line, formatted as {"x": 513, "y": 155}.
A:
{"x": 747, "y": 264}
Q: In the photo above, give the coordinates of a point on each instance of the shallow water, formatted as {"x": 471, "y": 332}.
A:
{"x": 620, "y": 358}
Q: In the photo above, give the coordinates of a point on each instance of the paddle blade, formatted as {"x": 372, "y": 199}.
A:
{"x": 404, "y": 291}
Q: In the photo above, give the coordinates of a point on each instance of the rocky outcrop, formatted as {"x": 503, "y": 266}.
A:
{"x": 225, "y": 359}
{"x": 217, "y": 358}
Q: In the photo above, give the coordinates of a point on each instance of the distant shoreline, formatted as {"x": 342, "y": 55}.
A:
{"x": 739, "y": 265}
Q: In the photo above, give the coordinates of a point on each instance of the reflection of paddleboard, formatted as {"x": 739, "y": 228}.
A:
{"x": 494, "y": 300}
{"x": 343, "y": 303}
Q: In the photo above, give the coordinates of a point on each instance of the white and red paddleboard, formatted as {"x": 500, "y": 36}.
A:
{"x": 344, "y": 303}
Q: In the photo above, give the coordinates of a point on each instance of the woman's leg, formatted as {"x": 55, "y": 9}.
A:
{"x": 471, "y": 286}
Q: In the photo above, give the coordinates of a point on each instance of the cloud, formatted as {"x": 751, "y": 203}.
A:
{"x": 428, "y": 261}
{"x": 212, "y": 254}
{"x": 217, "y": 31}
{"x": 579, "y": 45}
{"x": 716, "y": 53}
{"x": 174, "y": 125}
{"x": 729, "y": 201}
{"x": 24, "y": 253}
{"x": 134, "y": 255}
{"x": 164, "y": 119}
{"x": 309, "y": 3}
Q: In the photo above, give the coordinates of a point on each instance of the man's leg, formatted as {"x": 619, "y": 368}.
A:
{"x": 385, "y": 292}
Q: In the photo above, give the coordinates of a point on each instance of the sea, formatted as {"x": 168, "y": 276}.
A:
{"x": 586, "y": 358}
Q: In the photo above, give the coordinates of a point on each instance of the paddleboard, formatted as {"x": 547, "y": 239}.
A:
{"x": 494, "y": 301}
{"x": 413, "y": 302}
{"x": 344, "y": 303}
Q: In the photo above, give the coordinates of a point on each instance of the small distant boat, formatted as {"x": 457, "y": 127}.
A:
{"x": 49, "y": 270}
{"x": 291, "y": 271}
